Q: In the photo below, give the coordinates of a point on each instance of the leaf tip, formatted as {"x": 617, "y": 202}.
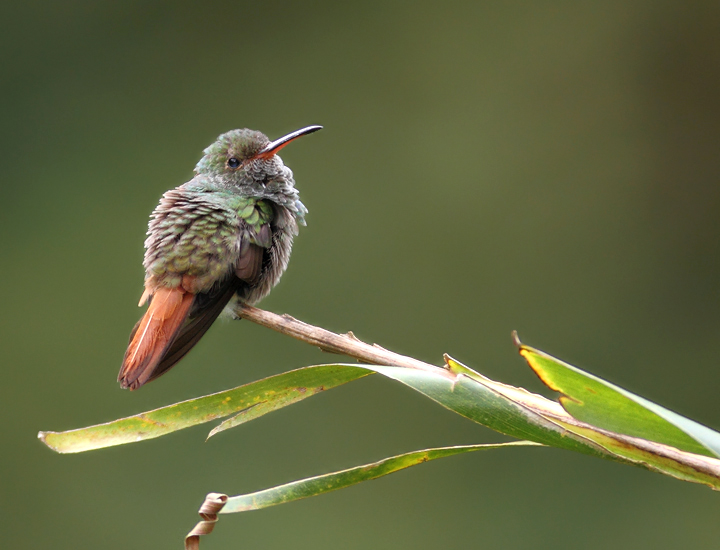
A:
{"x": 453, "y": 366}
{"x": 42, "y": 436}
{"x": 450, "y": 363}
{"x": 516, "y": 340}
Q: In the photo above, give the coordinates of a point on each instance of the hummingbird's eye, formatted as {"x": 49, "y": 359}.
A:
{"x": 233, "y": 162}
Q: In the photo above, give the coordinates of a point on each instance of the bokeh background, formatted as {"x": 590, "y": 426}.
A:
{"x": 550, "y": 167}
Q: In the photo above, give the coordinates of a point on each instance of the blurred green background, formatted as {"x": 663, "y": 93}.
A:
{"x": 550, "y": 167}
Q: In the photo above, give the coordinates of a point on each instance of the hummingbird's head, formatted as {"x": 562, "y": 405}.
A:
{"x": 248, "y": 159}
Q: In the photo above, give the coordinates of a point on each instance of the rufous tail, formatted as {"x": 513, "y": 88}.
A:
{"x": 155, "y": 333}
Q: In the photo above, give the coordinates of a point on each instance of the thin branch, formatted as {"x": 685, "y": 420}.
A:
{"x": 343, "y": 344}
{"x": 349, "y": 344}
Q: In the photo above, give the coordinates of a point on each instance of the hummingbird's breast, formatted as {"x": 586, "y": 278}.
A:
{"x": 200, "y": 238}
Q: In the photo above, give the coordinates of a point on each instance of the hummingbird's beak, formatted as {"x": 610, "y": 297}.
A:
{"x": 274, "y": 146}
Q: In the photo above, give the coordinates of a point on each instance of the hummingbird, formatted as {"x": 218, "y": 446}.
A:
{"x": 222, "y": 239}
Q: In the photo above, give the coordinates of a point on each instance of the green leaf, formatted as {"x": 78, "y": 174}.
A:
{"x": 283, "y": 398}
{"x": 508, "y": 410}
{"x": 680, "y": 465}
{"x": 600, "y": 403}
{"x": 486, "y": 402}
{"x": 337, "y": 480}
{"x": 250, "y": 401}
{"x": 468, "y": 395}
{"x": 459, "y": 393}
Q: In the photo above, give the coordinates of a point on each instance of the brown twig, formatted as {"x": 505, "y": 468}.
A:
{"x": 344, "y": 344}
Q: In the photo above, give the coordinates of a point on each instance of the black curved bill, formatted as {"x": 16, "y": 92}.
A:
{"x": 274, "y": 146}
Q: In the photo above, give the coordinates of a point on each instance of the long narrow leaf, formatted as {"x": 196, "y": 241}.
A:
{"x": 646, "y": 454}
{"x": 600, "y": 403}
{"x": 481, "y": 403}
{"x": 463, "y": 395}
{"x": 509, "y": 410}
{"x": 257, "y": 398}
{"x": 337, "y": 480}
{"x": 680, "y": 465}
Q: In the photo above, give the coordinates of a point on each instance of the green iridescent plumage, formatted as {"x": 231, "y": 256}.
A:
{"x": 223, "y": 237}
{"x": 202, "y": 235}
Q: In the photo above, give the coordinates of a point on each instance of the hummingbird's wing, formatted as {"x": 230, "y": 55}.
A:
{"x": 208, "y": 306}
{"x": 205, "y": 309}
{"x": 174, "y": 322}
